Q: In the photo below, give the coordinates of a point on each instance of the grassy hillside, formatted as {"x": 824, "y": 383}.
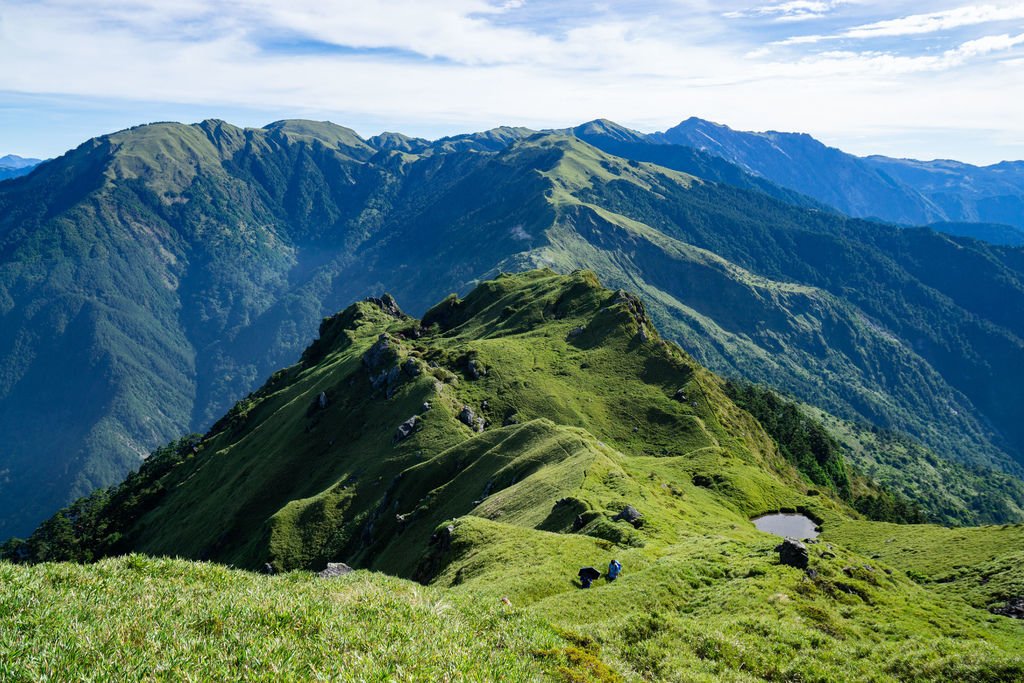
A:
{"x": 488, "y": 451}
{"x": 138, "y": 618}
{"x": 151, "y": 278}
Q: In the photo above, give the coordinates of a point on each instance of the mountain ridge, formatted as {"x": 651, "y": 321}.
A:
{"x": 170, "y": 267}
{"x": 904, "y": 191}
{"x": 474, "y": 460}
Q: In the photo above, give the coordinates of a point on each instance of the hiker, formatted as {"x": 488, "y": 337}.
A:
{"x": 614, "y": 567}
{"x": 588, "y": 575}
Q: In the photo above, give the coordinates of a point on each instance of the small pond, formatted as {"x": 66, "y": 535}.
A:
{"x": 787, "y": 524}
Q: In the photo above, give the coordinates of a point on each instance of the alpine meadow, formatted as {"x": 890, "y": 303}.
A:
{"x": 661, "y": 399}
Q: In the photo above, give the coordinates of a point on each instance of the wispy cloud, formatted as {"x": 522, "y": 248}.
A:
{"x": 792, "y": 10}
{"x": 917, "y": 24}
{"x": 463, "y": 64}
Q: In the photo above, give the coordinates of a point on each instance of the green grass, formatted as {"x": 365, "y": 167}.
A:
{"x": 137, "y": 618}
{"x": 579, "y": 397}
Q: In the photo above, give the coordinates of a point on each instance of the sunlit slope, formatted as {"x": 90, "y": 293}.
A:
{"x": 150, "y": 278}
{"x": 489, "y": 450}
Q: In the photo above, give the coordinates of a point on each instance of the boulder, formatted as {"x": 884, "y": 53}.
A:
{"x": 630, "y": 514}
{"x": 1014, "y": 608}
{"x": 334, "y": 570}
{"x": 407, "y": 428}
{"x": 321, "y": 400}
{"x": 379, "y": 354}
{"x": 792, "y": 553}
{"x": 467, "y": 416}
{"x": 475, "y": 369}
{"x": 411, "y": 368}
{"x": 442, "y": 538}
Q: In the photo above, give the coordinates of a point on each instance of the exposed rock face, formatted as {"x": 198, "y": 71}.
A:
{"x": 387, "y": 304}
{"x": 467, "y": 416}
{"x": 407, "y": 428}
{"x": 335, "y": 569}
{"x": 411, "y": 368}
{"x": 379, "y": 354}
{"x": 632, "y": 515}
{"x": 475, "y": 369}
{"x": 792, "y": 553}
{"x": 1014, "y": 608}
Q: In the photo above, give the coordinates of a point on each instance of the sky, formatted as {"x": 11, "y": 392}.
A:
{"x": 908, "y": 79}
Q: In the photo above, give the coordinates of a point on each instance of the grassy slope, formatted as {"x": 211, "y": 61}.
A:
{"x": 494, "y": 514}
{"x": 137, "y": 618}
{"x": 234, "y": 243}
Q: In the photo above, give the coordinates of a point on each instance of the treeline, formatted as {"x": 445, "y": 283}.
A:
{"x": 804, "y": 442}
{"x": 92, "y": 527}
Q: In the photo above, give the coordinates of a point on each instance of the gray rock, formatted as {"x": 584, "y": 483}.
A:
{"x": 411, "y": 368}
{"x": 407, "y": 428}
{"x": 394, "y": 380}
{"x": 680, "y": 395}
{"x": 467, "y": 416}
{"x": 475, "y": 369}
{"x": 387, "y": 304}
{"x": 479, "y": 424}
{"x": 321, "y": 400}
{"x": 334, "y": 570}
{"x": 378, "y": 354}
{"x": 792, "y": 553}
{"x": 630, "y": 514}
{"x": 1014, "y": 608}
{"x": 425, "y": 407}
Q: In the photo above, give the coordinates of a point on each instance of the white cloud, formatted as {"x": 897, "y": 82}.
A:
{"x": 480, "y": 69}
{"x": 917, "y": 24}
{"x": 792, "y": 10}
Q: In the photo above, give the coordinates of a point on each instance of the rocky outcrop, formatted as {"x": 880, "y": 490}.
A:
{"x": 334, "y": 570}
{"x": 630, "y": 514}
{"x": 470, "y": 419}
{"x": 407, "y": 428}
{"x": 1014, "y": 608}
{"x": 792, "y": 553}
{"x": 380, "y": 354}
{"x": 387, "y": 304}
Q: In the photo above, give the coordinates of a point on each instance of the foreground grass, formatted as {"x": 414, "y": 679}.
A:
{"x": 138, "y": 618}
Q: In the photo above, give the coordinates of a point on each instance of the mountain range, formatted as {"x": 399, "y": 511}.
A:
{"x": 12, "y": 166}
{"x": 897, "y": 190}
{"x": 150, "y": 278}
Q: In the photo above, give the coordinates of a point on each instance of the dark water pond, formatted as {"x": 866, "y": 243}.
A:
{"x": 787, "y": 524}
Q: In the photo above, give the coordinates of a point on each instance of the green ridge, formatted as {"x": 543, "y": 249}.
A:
{"x": 151, "y": 278}
{"x": 585, "y": 410}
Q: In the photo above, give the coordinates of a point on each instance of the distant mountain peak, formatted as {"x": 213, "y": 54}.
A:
{"x": 15, "y": 161}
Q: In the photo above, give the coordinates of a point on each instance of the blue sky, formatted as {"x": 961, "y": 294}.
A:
{"x": 919, "y": 79}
